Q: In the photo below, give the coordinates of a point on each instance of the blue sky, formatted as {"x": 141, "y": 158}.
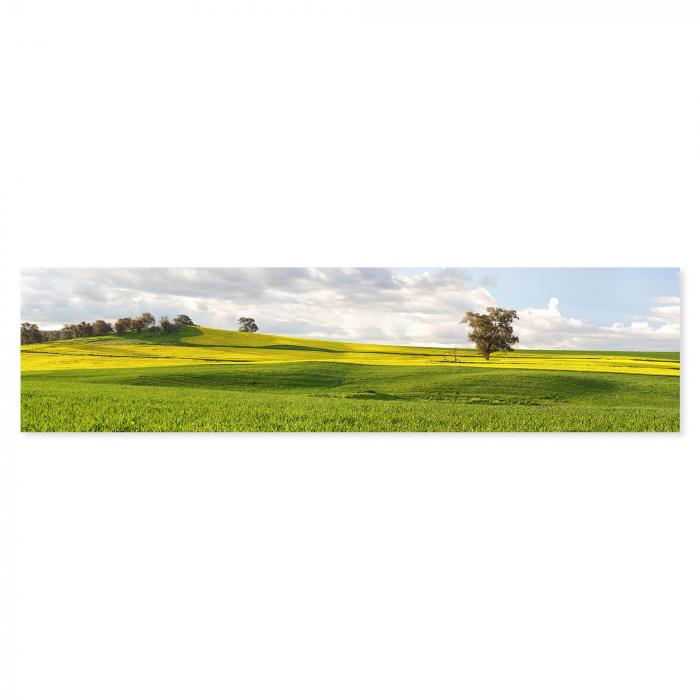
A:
{"x": 599, "y": 295}
{"x": 559, "y": 308}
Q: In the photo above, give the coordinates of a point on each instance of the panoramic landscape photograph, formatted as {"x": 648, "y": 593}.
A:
{"x": 373, "y": 349}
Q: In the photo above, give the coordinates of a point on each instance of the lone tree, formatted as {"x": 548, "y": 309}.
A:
{"x": 183, "y": 320}
{"x": 492, "y": 331}
{"x": 247, "y": 325}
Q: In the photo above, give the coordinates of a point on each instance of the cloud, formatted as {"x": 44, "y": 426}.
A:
{"x": 363, "y": 304}
{"x": 353, "y": 304}
{"x": 549, "y": 328}
{"x": 666, "y": 310}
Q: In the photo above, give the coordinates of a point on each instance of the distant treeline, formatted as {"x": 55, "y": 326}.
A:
{"x": 31, "y": 333}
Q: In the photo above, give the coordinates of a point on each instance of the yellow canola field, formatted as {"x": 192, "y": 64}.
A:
{"x": 210, "y": 346}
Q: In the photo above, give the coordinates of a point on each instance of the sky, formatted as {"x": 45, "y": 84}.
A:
{"x": 558, "y": 308}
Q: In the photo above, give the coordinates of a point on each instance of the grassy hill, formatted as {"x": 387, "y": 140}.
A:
{"x": 214, "y": 380}
{"x": 195, "y": 345}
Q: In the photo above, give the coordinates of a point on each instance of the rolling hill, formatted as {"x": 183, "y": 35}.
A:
{"x": 216, "y": 380}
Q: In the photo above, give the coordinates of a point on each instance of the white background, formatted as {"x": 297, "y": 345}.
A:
{"x": 338, "y": 133}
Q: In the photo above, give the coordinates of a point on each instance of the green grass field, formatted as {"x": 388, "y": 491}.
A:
{"x": 211, "y": 380}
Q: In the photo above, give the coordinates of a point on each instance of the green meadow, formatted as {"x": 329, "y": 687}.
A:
{"x": 211, "y": 380}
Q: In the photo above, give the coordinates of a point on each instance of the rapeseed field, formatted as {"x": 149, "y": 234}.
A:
{"x": 202, "y": 379}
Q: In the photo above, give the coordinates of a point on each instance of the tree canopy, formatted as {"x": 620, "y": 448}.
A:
{"x": 492, "y": 331}
{"x": 30, "y": 333}
{"x": 247, "y": 325}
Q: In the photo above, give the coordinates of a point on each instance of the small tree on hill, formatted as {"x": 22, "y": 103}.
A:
{"x": 184, "y": 320}
{"x": 144, "y": 322}
{"x": 30, "y": 333}
{"x": 247, "y": 325}
{"x": 101, "y": 327}
{"x": 69, "y": 331}
{"x": 492, "y": 331}
{"x": 166, "y": 324}
{"x": 84, "y": 329}
{"x": 122, "y": 325}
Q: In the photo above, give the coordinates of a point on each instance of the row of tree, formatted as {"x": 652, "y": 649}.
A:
{"x": 31, "y": 333}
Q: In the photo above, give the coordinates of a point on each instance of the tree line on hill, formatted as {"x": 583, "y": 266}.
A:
{"x": 31, "y": 333}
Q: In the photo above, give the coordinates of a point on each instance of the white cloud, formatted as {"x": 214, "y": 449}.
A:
{"x": 666, "y": 310}
{"x": 549, "y": 328}
{"x": 353, "y": 304}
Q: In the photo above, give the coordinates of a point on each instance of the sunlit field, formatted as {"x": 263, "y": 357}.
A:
{"x": 201, "y": 379}
{"x": 194, "y": 345}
